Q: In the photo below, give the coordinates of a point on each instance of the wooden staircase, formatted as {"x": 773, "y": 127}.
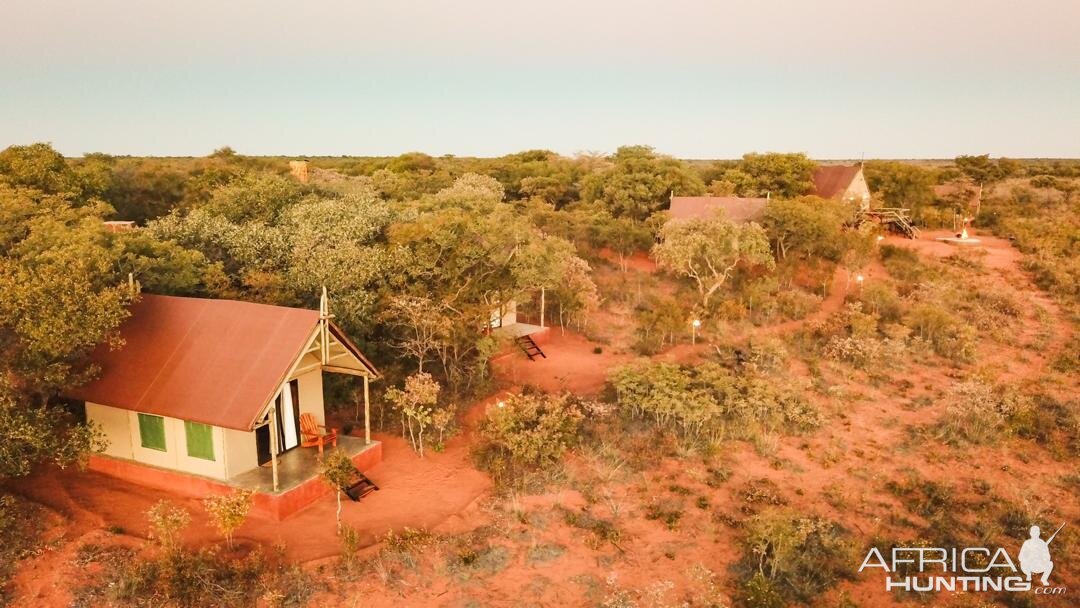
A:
{"x": 530, "y": 347}
{"x": 895, "y": 219}
{"x": 359, "y": 486}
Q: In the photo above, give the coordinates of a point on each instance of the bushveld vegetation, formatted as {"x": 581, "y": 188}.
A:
{"x": 417, "y": 251}
{"x": 707, "y": 403}
{"x": 178, "y": 576}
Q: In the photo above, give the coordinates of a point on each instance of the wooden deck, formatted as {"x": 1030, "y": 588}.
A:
{"x": 516, "y": 330}
{"x": 295, "y": 467}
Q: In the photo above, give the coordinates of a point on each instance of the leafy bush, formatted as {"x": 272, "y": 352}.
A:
{"x": 530, "y": 432}
{"x": 903, "y": 264}
{"x": 228, "y": 511}
{"x": 767, "y": 355}
{"x": 203, "y": 578}
{"x": 792, "y": 558}
{"x": 167, "y": 523}
{"x": 857, "y": 339}
{"x": 879, "y": 298}
{"x": 706, "y": 403}
{"x": 659, "y": 322}
{"x": 977, "y": 412}
{"x": 21, "y": 524}
{"x": 416, "y": 405}
{"x": 949, "y": 335}
{"x": 796, "y": 304}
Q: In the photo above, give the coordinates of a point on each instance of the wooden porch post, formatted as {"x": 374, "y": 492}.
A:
{"x": 367, "y": 413}
{"x": 542, "y": 302}
{"x": 273, "y": 448}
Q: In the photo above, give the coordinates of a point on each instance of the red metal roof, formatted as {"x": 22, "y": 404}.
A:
{"x": 830, "y": 181}
{"x": 217, "y": 362}
{"x": 735, "y": 208}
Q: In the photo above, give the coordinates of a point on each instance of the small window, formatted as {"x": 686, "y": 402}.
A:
{"x": 200, "y": 440}
{"x": 152, "y": 432}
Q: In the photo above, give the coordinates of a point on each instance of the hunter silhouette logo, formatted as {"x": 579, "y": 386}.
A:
{"x": 1035, "y": 555}
{"x": 968, "y": 569}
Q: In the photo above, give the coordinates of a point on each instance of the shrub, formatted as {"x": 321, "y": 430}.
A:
{"x": 935, "y": 502}
{"x": 705, "y": 403}
{"x": 903, "y": 264}
{"x": 659, "y": 322}
{"x": 529, "y": 432}
{"x": 602, "y": 531}
{"x": 21, "y": 524}
{"x": 337, "y": 470}
{"x": 228, "y": 511}
{"x": 978, "y": 413}
{"x": 203, "y": 578}
{"x": 416, "y": 405}
{"x": 879, "y": 298}
{"x": 796, "y": 304}
{"x": 792, "y": 558}
{"x": 667, "y": 511}
{"x": 767, "y": 355}
{"x": 167, "y": 522}
{"x": 950, "y": 337}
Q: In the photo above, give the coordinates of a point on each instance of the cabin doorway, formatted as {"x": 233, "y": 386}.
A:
{"x": 286, "y": 412}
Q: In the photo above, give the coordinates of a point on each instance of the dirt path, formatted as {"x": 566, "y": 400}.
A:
{"x": 831, "y": 304}
{"x": 572, "y": 365}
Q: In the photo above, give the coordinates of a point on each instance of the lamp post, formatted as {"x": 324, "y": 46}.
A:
{"x": 696, "y": 323}
{"x": 859, "y": 281}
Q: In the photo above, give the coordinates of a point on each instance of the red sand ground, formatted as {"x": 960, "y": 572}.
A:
{"x": 838, "y": 472}
{"x": 571, "y": 365}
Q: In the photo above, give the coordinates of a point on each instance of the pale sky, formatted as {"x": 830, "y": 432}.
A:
{"x": 693, "y": 78}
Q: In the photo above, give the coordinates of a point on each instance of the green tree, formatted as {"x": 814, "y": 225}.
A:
{"x": 640, "y": 182}
{"x": 776, "y": 174}
{"x": 983, "y": 170}
{"x": 623, "y": 236}
{"x": 900, "y": 184}
{"x": 254, "y": 197}
{"x": 34, "y": 432}
{"x": 709, "y": 250}
{"x": 63, "y": 292}
{"x": 806, "y": 227}
{"x": 40, "y": 167}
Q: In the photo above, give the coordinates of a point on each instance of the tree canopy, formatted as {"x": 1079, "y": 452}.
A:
{"x": 640, "y": 182}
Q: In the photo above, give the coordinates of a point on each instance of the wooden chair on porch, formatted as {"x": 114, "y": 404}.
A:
{"x": 311, "y": 436}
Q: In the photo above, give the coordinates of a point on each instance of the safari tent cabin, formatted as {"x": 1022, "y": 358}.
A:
{"x": 843, "y": 183}
{"x": 737, "y": 209}
{"x": 215, "y": 390}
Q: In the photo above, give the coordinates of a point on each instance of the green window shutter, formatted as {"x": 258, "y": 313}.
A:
{"x": 152, "y": 432}
{"x": 200, "y": 440}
